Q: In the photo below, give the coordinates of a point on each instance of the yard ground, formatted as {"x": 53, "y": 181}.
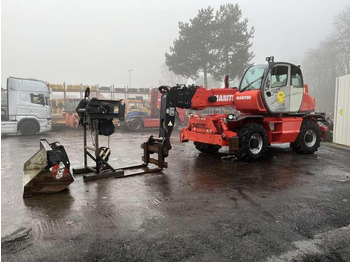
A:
{"x": 287, "y": 207}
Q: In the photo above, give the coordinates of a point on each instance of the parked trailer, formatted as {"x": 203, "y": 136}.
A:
{"x": 27, "y": 109}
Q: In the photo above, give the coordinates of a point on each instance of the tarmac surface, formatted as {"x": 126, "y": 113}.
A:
{"x": 287, "y": 207}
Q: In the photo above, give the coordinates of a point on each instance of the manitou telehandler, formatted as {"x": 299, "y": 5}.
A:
{"x": 273, "y": 104}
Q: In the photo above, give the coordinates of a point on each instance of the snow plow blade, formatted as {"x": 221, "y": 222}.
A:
{"x": 47, "y": 171}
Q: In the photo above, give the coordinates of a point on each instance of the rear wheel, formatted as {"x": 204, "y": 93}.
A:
{"x": 308, "y": 140}
{"x": 135, "y": 124}
{"x": 252, "y": 142}
{"x": 207, "y": 148}
{"x": 29, "y": 128}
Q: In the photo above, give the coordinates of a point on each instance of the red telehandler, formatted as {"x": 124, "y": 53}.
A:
{"x": 274, "y": 107}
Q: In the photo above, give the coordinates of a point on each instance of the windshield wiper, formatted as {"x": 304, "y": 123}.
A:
{"x": 249, "y": 85}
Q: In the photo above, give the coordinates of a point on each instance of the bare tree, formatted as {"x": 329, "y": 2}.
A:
{"x": 211, "y": 82}
{"x": 328, "y": 61}
{"x": 170, "y": 78}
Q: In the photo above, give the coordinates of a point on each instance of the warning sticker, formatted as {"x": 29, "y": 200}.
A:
{"x": 280, "y": 97}
{"x": 170, "y": 124}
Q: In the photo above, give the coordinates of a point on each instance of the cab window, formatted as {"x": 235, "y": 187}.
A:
{"x": 37, "y": 99}
{"x": 279, "y": 77}
{"x": 297, "y": 79}
{"x": 252, "y": 78}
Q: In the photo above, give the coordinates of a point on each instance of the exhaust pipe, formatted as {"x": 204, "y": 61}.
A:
{"x": 47, "y": 171}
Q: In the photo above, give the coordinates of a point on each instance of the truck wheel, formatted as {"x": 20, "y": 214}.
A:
{"x": 308, "y": 140}
{"x": 207, "y": 148}
{"x": 252, "y": 142}
{"x": 29, "y": 128}
{"x": 135, "y": 124}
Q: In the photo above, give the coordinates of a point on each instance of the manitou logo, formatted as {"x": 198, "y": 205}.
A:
{"x": 224, "y": 98}
{"x": 244, "y": 97}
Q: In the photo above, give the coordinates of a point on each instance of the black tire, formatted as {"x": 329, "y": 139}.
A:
{"x": 135, "y": 124}
{"x": 28, "y": 128}
{"x": 308, "y": 140}
{"x": 207, "y": 148}
{"x": 253, "y": 142}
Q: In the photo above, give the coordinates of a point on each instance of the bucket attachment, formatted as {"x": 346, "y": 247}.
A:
{"x": 47, "y": 171}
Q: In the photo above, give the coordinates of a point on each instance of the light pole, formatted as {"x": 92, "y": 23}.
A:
{"x": 130, "y": 70}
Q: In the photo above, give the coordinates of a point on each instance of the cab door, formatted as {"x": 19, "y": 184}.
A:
{"x": 277, "y": 89}
{"x": 296, "y": 89}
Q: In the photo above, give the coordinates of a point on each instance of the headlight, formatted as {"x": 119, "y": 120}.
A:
{"x": 231, "y": 117}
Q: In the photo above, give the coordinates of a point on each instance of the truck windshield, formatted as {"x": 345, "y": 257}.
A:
{"x": 252, "y": 77}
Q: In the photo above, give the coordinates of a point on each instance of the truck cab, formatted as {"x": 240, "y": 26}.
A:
{"x": 28, "y": 107}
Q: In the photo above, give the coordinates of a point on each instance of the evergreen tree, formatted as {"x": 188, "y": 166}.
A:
{"x": 212, "y": 45}
{"x": 232, "y": 42}
{"x": 192, "y": 52}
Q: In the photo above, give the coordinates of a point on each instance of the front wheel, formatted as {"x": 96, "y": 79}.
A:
{"x": 28, "y": 128}
{"x": 252, "y": 142}
{"x": 308, "y": 140}
{"x": 135, "y": 124}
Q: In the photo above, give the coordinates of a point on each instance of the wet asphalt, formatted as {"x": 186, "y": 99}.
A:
{"x": 287, "y": 207}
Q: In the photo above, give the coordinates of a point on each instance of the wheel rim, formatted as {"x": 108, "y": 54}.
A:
{"x": 28, "y": 128}
{"x": 136, "y": 125}
{"x": 310, "y": 138}
{"x": 255, "y": 143}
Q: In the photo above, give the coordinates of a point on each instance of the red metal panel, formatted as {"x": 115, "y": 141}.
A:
{"x": 308, "y": 103}
{"x": 224, "y": 97}
{"x": 249, "y": 102}
{"x": 211, "y": 129}
{"x": 214, "y": 139}
{"x": 151, "y": 122}
{"x": 282, "y": 129}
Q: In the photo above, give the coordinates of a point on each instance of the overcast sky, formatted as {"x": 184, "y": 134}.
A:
{"x": 97, "y": 42}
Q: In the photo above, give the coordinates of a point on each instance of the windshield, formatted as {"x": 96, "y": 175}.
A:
{"x": 252, "y": 77}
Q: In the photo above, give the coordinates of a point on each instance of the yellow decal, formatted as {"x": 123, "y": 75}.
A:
{"x": 280, "y": 97}
{"x": 341, "y": 111}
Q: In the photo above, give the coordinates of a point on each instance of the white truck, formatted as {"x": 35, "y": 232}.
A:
{"x": 25, "y": 107}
